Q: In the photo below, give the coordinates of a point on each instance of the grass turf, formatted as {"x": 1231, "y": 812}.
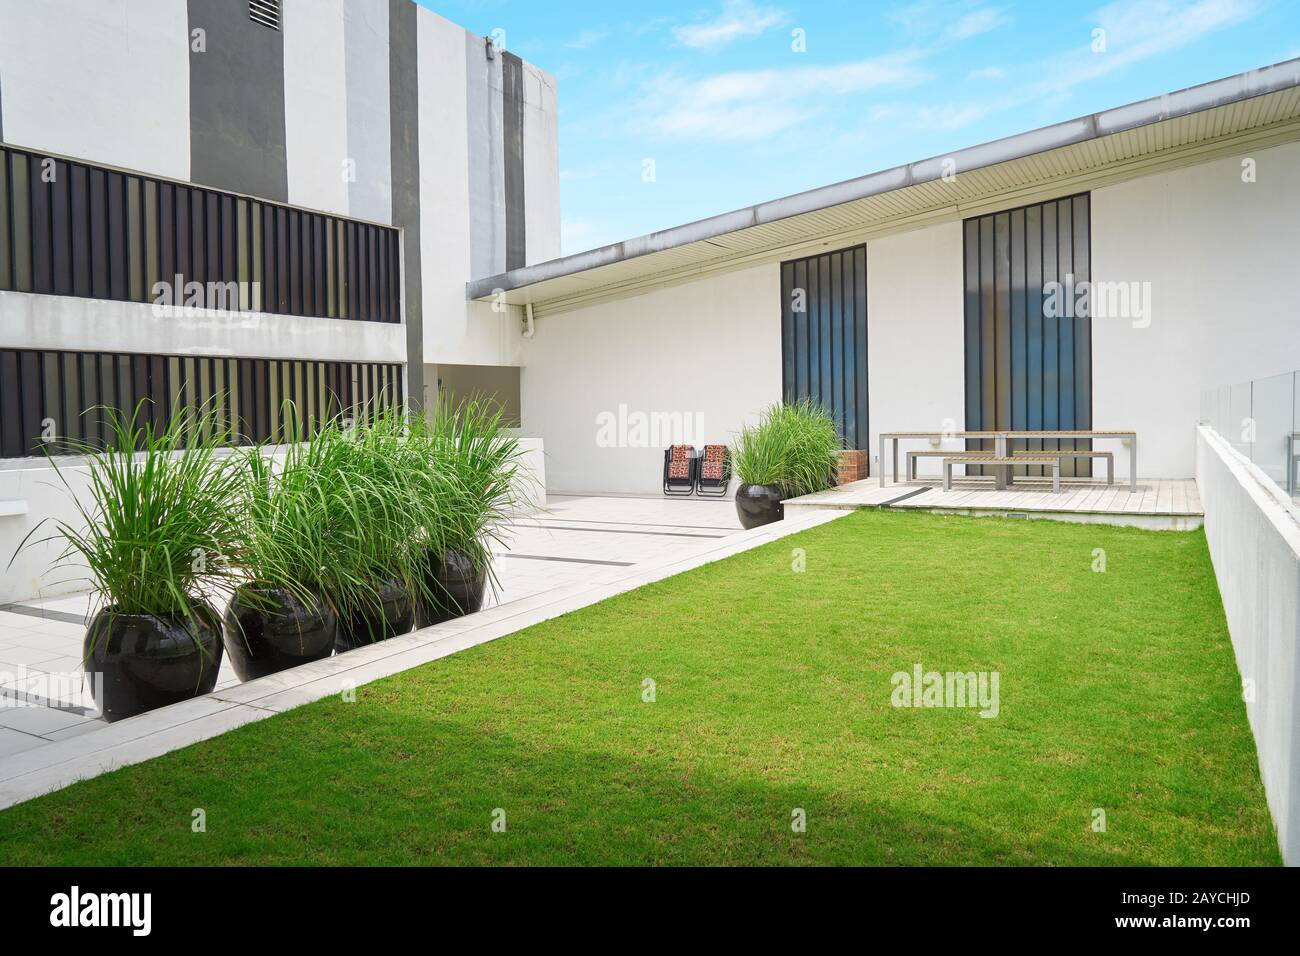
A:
{"x": 1118, "y": 691}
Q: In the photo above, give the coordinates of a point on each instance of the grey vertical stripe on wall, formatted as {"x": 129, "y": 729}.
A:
{"x": 404, "y": 113}
{"x": 512, "y": 126}
{"x": 237, "y": 136}
{"x": 1026, "y": 370}
{"x": 824, "y": 345}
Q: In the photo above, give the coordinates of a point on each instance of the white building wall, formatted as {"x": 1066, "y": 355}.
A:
{"x": 108, "y": 82}
{"x": 1220, "y": 256}
{"x": 915, "y": 333}
{"x": 710, "y": 348}
{"x": 1217, "y": 252}
{"x": 315, "y": 93}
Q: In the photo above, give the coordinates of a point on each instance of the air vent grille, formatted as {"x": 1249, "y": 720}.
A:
{"x": 265, "y": 12}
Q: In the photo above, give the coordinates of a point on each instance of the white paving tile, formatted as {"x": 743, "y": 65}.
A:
{"x": 86, "y": 725}
{"x": 26, "y": 656}
{"x": 15, "y": 741}
{"x": 40, "y": 721}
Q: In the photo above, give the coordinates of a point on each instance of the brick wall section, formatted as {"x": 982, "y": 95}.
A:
{"x": 853, "y": 466}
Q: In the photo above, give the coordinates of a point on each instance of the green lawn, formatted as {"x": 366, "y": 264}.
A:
{"x": 1117, "y": 691}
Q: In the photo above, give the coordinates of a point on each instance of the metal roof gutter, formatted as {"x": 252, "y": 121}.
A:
{"x": 1232, "y": 89}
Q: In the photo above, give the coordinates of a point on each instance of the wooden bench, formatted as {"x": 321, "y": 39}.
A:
{"x": 912, "y": 456}
{"x": 1109, "y": 457}
{"x": 1008, "y": 462}
{"x": 1002, "y": 446}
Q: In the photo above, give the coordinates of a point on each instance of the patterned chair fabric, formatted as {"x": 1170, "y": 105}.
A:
{"x": 679, "y": 464}
{"x": 715, "y": 458}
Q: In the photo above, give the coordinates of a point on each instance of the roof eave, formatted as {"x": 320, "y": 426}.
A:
{"x": 1232, "y": 89}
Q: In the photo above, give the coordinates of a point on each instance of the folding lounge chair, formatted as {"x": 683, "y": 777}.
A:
{"x": 713, "y": 472}
{"x": 679, "y": 470}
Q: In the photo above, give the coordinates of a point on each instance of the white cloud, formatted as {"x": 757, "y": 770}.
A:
{"x": 950, "y": 116}
{"x": 949, "y": 20}
{"x": 752, "y": 104}
{"x": 987, "y": 73}
{"x": 737, "y": 20}
{"x": 976, "y": 23}
{"x": 586, "y": 39}
{"x": 1136, "y": 31}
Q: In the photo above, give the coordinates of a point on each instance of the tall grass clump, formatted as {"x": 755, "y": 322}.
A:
{"x": 289, "y": 534}
{"x": 793, "y": 447}
{"x": 376, "y": 512}
{"x": 473, "y": 465}
{"x": 155, "y": 527}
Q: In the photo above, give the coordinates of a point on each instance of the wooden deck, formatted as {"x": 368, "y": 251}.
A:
{"x": 1159, "y": 504}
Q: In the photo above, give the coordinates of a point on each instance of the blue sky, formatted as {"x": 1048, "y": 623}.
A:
{"x": 718, "y": 95}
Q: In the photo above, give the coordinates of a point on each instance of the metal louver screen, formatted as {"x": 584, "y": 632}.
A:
{"x": 75, "y": 229}
{"x": 1027, "y": 370}
{"x": 824, "y": 337}
{"x": 265, "y": 12}
{"x": 52, "y": 401}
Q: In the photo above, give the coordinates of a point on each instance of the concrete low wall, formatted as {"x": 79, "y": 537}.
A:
{"x": 33, "y": 500}
{"x": 1254, "y": 537}
{"x": 532, "y": 474}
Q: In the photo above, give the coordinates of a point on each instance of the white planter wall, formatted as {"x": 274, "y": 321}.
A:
{"x": 1254, "y": 540}
{"x": 32, "y": 486}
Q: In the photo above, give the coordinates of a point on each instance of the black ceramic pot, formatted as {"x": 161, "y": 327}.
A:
{"x": 137, "y": 662}
{"x": 457, "y": 589}
{"x": 266, "y": 631}
{"x": 390, "y": 613}
{"x": 758, "y": 505}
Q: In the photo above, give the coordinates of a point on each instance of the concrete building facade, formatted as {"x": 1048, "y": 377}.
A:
{"x": 375, "y": 112}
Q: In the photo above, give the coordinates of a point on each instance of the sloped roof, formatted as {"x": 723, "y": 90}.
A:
{"x": 1256, "y": 109}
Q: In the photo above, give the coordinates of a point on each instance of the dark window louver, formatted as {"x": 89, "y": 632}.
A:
{"x": 265, "y": 12}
